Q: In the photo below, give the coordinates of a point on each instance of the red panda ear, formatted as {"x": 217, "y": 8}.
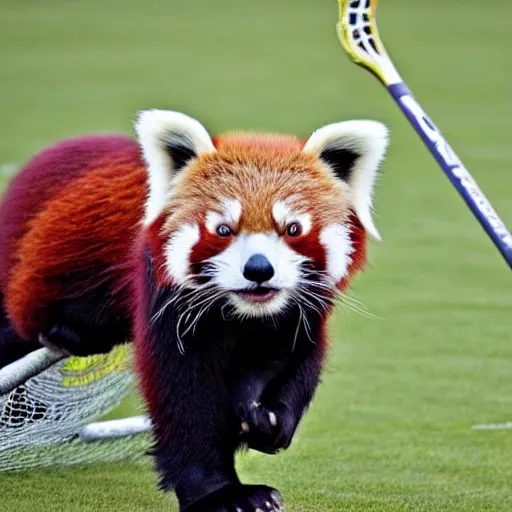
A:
{"x": 353, "y": 151}
{"x": 169, "y": 141}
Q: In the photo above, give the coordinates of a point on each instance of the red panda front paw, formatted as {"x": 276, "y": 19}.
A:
{"x": 239, "y": 498}
{"x": 268, "y": 430}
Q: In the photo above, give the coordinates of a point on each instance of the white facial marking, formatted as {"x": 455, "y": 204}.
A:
{"x": 304, "y": 219}
{"x": 280, "y": 212}
{"x": 232, "y": 211}
{"x": 255, "y": 309}
{"x": 338, "y": 247}
{"x": 284, "y": 215}
{"x": 177, "y": 252}
{"x": 230, "y": 265}
{"x": 213, "y": 219}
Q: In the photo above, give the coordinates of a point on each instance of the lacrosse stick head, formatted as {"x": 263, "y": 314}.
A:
{"x": 42, "y": 420}
{"x": 358, "y": 34}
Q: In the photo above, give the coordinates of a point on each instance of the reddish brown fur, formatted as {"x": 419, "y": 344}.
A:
{"x": 89, "y": 228}
{"x": 42, "y": 178}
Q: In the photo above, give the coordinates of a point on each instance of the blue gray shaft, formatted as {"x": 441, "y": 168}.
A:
{"x": 454, "y": 170}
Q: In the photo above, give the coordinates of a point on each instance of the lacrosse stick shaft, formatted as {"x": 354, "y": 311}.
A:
{"x": 113, "y": 429}
{"x": 15, "y": 374}
{"x": 454, "y": 169}
{"x": 358, "y": 34}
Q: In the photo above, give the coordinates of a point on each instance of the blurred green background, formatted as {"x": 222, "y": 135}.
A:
{"x": 390, "y": 428}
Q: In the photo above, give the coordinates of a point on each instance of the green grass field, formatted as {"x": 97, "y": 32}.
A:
{"x": 390, "y": 429}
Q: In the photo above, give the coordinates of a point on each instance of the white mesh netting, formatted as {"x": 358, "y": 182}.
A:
{"x": 41, "y": 420}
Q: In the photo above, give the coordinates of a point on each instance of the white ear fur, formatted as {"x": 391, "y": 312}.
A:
{"x": 367, "y": 141}
{"x": 159, "y": 133}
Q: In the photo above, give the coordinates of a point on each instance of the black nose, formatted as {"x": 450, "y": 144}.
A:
{"x": 258, "y": 269}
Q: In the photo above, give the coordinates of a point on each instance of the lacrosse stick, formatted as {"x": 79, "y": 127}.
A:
{"x": 357, "y": 31}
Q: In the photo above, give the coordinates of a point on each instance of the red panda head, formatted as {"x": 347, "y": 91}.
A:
{"x": 261, "y": 222}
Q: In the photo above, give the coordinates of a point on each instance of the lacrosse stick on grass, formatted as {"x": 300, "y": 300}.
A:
{"x": 357, "y": 31}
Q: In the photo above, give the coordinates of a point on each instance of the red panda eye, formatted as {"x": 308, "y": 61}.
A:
{"x": 294, "y": 229}
{"x": 223, "y": 230}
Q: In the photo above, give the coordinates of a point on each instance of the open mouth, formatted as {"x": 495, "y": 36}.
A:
{"x": 259, "y": 294}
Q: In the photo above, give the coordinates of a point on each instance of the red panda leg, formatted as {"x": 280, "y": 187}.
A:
{"x": 189, "y": 397}
{"x": 195, "y": 430}
{"x": 86, "y": 324}
{"x": 272, "y": 412}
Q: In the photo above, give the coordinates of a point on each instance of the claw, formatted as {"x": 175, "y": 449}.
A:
{"x": 276, "y": 498}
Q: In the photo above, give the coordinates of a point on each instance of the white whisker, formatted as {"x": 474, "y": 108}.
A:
{"x": 298, "y": 327}
{"x": 350, "y": 303}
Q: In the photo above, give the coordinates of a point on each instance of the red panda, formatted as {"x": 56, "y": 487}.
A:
{"x": 220, "y": 257}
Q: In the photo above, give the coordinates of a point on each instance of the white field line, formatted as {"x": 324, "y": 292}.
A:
{"x": 8, "y": 169}
{"x": 493, "y": 426}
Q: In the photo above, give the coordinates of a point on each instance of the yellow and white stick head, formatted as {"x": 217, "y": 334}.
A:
{"x": 357, "y": 31}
